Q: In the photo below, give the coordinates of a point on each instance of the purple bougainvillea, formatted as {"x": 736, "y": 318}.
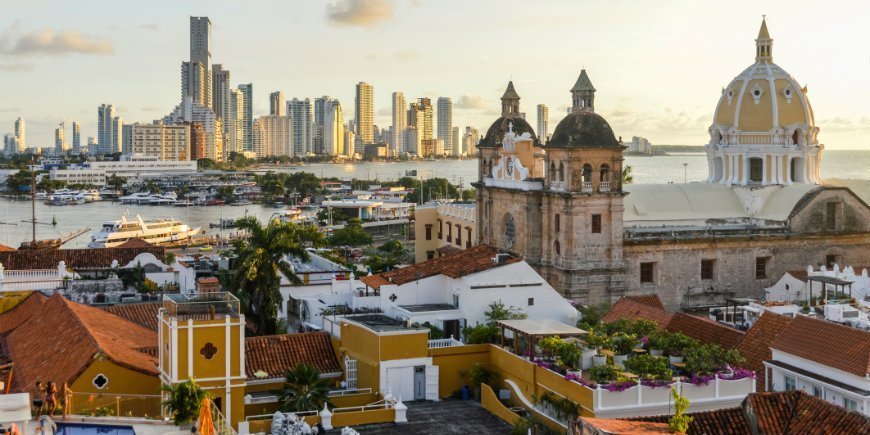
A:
{"x": 701, "y": 379}
{"x": 738, "y": 373}
{"x": 653, "y": 383}
{"x": 619, "y": 386}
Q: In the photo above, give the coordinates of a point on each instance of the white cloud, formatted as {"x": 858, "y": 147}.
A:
{"x": 473, "y": 101}
{"x": 365, "y": 13}
{"x": 50, "y": 41}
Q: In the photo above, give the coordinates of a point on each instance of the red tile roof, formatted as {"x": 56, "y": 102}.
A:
{"x": 467, "y": 262}
{"x": 796, "y": 412}
{"x": 135, "y": 243}
{"x": 144, "y": 314}
{"x": 629, "y": 308}
{"x": 755, "y": 346}
{"x": 21, "y": 312}
{"x": 705, "y": 330}
{"x": 731, "y": 421}
{"x": 6, "y": 248}
{"x": 74, "y": 258}
{"x": 275, "y": 354}
{"x": 650, "y": 300}
{"x": 827, "y": 343}
{"x": 61, "y": 338}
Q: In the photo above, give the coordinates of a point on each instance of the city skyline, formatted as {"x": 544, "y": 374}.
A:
{"x": 651, "y": 88}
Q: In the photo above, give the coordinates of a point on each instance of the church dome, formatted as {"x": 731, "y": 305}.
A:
{"x": 764, "y": 97}
{"x": 495, "y": 134}
{"x": 583, "y": 129}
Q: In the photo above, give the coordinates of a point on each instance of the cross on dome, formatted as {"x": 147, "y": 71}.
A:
{"x": 510, "y": 127}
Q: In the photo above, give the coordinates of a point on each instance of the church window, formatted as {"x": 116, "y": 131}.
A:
{"x": 761, "y": 267}
{"x": 468, "y": 238}
{"x": 552, "y": 171}
{"x": 605, "y": 173}
{"x": 100, "y": 381}
{"x": 557, "y": 248}
{"x": 531, "y": 301}
{"x": 596, "y": 224}
{"x": 428, "y": 231}
{"x": 208, "y": 351}
{"x": 430, "y": 255}
{"x": 561, "y": 171}
{"x": 831, "y": 216}
{"x": 756, "y": 170}
{"x": 510, "y": 231}
{"x": 795, "y": 137}
{"x": 587, "y": 173}
{"x": 830, "y": 261}
{"x": 557, "y": 222}
{"x": 707, "y": 269}
{"x": 647, "y": 272}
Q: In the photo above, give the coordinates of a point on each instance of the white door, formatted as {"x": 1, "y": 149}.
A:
{"x": 432, "y": 383}
{"x": 400, "y": 380}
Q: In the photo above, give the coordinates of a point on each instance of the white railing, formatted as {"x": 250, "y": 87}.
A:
{"x": 587, "y": 187}
{"x": 15, "y": 275}
{"x": 35, "y": 284}
{"x": 349, "y": 391}
{"x": 604, "y": 187}
{"x": 444, "y": 342}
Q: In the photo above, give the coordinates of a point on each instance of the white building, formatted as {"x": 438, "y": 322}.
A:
{"x": 234, "y": 138}
{"x": 164, "y": 142}
{"x": 109, "y": 129}
{"x": 302, "y": 113}
{"x": 79, "y": 175}
{"x": 59, "y": 142}
{"x": 445, "y": 123}
{"x": 543, "y": 121}
{"x": 470, "y": 140}
{"x": 273, "y": 136}
{"x": 365, "y": 116}
{"x": 457, "y": 143}
{"x": 333, "y": 130}
{"x": 76, "y": 138}
{"x": 400, "y": 123}
{"x": 276, "y": 103}
{"x": 189, "y": 111}
{"x": 640, "y": 145}
{"x": 20, "y": 134}
{"x": 247, "y": 116}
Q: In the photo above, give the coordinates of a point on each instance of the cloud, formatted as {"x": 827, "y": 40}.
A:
{"x": 473, "y": 101}
{"x": 149, "y": 26}
{"x": 12, "y": 67}
{"x": 8, "y": 109}
{"x": 49, "y": 41}
{"x": 366, "y": 13}
{"x": 385, "y": 111}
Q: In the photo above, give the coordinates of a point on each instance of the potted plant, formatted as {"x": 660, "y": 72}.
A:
{"x": 657, "y": 343}
{"x": 598, "y": 341}
{"x": 649, "y": 367}
{"x": 550, "y": 346}
{"x": 604, "y": 373}
{"x": 569, "y": 354}
{"x": 677, "y": 345}
{"x": 622, "y": 346}
{"x": 480, "y": 374}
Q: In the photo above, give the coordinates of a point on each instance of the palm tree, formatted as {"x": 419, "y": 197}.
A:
{"x": 183, "y": 401}
{"x": 627, "y": 177}
{"x": 261, "y": 259}
{"x": 304, "y": 389}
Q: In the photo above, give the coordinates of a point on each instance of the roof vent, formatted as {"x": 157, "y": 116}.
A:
{"x": 500, "y": 258}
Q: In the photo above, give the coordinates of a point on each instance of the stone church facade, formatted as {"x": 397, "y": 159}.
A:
{"x": 763, "y": 211}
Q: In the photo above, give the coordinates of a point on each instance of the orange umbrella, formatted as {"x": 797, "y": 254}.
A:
{"x": 206, "y": 424}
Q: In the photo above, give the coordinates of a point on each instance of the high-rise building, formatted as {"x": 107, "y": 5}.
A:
{"x": 188, "y": 112}
{"x": 108, "y": 130}
{"x": 273, "y": 136}
{"x": 364, "y": 116}
{"x": 276, "y": 103}
{"x": 247, "y": 115}
{"x": 333, "y": 130}
{"x": 20, "y": 135}
{"x": 196, "y": 72}
{"x": 349, "y": 141}
{"x": 400, "y": 123}
{"x": 235, "y": 132}
{"x": 457, "y": 144}
{"x": 303, "y": 127}
{"x": 470, "y": 139}
{"x": 420, "y": 120}
{"x": 322, "y": 107}
{"x": 10, "y": 144}
{"x": 200, "y": 40}
{"x": 220, "y": 89}
{"x": 445, "y": 122}
{"x": 543, "y": 122}
{"x": 197, "y": 141}
{"x": 92, "y": 145}
{"x": 165, "y": 142}
{"x": 58, "y": 140}
{"x": 76, "y": 138}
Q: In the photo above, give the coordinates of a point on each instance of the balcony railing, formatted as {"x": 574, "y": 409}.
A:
{"x": 587, "y": 187}
{"x": 444, "y": 342}
{"x": 604, "y": 187}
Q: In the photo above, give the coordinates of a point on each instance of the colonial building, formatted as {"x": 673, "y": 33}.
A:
{"x": 763, "y": 211}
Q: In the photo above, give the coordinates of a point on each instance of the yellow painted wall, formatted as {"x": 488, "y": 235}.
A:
{"x": 10, "y": 300}
{"x": 454, "y": 363}
{"x": 490, "y": 402}
{"x": 121, "y": 381}
{"x": 360, "y": 342}
{"x": 406, "y": 345}
{"x": 216, "y": 366}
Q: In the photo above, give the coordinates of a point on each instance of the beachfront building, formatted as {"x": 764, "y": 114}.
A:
{"x": 129, "y": 166}
{"x": 443, "y": 228}
{"x": 165, "y": 142}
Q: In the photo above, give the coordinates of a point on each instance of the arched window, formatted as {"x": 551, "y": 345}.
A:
{"x": 561, "y": 171}
{"x": 796, "y": 137}
{"x": 557, "y": 248}
{"x": 557, "y": 223}
{"x": 605, "y": 173}
{"x": 587, "y": 173}
{"x": 552, "y": 171}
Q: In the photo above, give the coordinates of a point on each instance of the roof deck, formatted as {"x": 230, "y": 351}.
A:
{"x": 381, "y": 323}
{"x": 217, "y": 305}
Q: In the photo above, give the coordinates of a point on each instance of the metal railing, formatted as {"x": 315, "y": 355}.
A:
{"x": 114, "y": 405}
{"x": 349, "y": 391}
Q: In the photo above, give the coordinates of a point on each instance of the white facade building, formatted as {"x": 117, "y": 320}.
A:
{"x": 302, "y": 113}
{"x": 20, "y": 134}
{"x": 333, "y": 130}
{"x": 273, "y": 136}
{"x": 400, "y": 124}
{"x": 188, "y": 111}
{"x": 364, "y": 117}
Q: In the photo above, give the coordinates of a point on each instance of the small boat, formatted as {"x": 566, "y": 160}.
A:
{"x": 163, "y": 199}
{"x": 213, "y": 201}
{"x": 242, "y": 202}
{"x": 110, "y": 193}
{"x": 223, "y": 224}
{"x": 278, "y": 204}
{"x": 89, "y": 195}
{"x": 137, "y": 198}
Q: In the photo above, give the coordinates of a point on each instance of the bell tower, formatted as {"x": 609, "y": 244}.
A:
{"x": 763, "y": 45}
{"x": 583, "y": 94}
{"x": 510, "y": 101}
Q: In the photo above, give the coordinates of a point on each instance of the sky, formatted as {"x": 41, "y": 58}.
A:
{"x": 658, "y": 65}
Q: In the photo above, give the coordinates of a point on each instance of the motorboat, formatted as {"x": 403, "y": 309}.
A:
{"x": 157, "y": 232}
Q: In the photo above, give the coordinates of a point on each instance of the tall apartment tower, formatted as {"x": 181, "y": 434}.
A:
{"x": 322, "y": 107}
{"x": 220, "y": 89}
{"x": 235, "y": 135}
{"x": 400, "y": 124}
{"x": 59, "y": 139}
{"x": 117, "y": 138}
{"x": 365, "y": 116}
{"x": 302, "y": 114}
{"x": 445, "y": 122}
{"x": 105, "y": 129}
{"x": 76, "y": 138}
{"x": 333, "y": 130}
{"x": 543, "y": 122}
{"x": 20, "y": 134}
{"x": 457, "y": 144}
{"x": 196, "y": 73}
{"x": 247, "y": 117}
{"x": 276, "y": 103}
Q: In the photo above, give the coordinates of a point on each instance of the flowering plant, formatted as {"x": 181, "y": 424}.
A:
{"x": 653, "y": 383}
{"x": 619, "y": 386}
{"x": 738, "y": 373}
{"x": 579, "y": 380}
{"x": 701, "y": 379}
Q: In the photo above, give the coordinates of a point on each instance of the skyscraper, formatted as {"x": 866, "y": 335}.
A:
{"x": 470, "y": 139}
{"x": 117, "y": 139}
{"x": 20, "y": 134}
{"x": 58, "y": 139}
{"x": 200, "y": 40}
{"x": 333, "y": 130}
{"x": 543, "y": 122}
{"x": 235, "y": 132}
{"x": 457, "y": 144}
{"x": 302, "y": 114}
{"x": 273, "y": 136}
{"x": 445, "y": 123}
{"x": 107, "y": 137}
{"x": 420, "y": 120}
{"x": 365, "y": 116}
{"x": 322, "y": 106}
{"x": 196, "y": 73}
{"x": 220, "y": 89}
{"x": 400, "y": 124}
{"x": 247, "y": 115}
{"x": 276, "y": 103}
{"x": 76, "y": 138}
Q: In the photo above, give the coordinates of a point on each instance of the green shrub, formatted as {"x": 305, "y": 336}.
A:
{"x": 649, "y": 367}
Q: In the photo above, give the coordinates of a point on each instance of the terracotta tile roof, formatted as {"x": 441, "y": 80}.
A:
{"x": 74, "y": 258}
{"x": 61, "y": 338}
{"x": 729, "y": 421}
{"x": 630, "y": 308}
{"x": 21, "y": 312}
{"x": 467, "y": 262}
{"x": 6, "y": 248}
{"x": 827, "y": 343}
{"x": 705, "y": 330}
{"x": 799, "y": 274}
{"x": 796, "y": 412}
{"x": 135, "y": 243}
{"x": 275, "y": 354}
{"x": 626, "y": 427}
{"x": 448, "y": 250}
{"x": 650, "y": 300}
{"x": 755, "y": 346}
{"x": 144, "y": 314}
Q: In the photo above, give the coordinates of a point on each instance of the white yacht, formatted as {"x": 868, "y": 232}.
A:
{"x": 137, "y": 198}
{"x": 89, "y": 195}
{"x": 163, "y": 199}
{"x": 160, "y": 231}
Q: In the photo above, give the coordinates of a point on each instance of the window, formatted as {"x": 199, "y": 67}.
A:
{"x": 817, "y": 392}
{"x": 557, "y": 248}
{"x": 458, "y": 235}
{"x": 531, "y": 301}
{"x": 557, "y": 222}
{"x": 468, "y": 238}
{"x": 455, "y": 301}
{"x": 440, "y": 229}
{"x": 831, "y": 216}
{"x": 849, "y": 404}
{"x": 761, "y": 267}
{"x": 100, "y": 381}
{"x": 756, "y": 170}
{"x": 647, "y": 271}
{"x": 449, "y": 232}
{"x": 596, "y": 223}
{"x": 707, "y": 269}
{"x": 830, "y": 260}
{"x": 790, "y": 383}
{"x": 430, "y": 255}
{"x": 208, "y": 351}
{"x": 350, "y": 369}
{"x": 428, "y": 231}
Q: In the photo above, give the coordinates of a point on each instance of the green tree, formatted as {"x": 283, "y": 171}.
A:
{"x": 115, "y": 182}
{"x": 430, "y": 189}
{"x": 304, "y": 389}
{"x": 206, "y": 164}
{"x": 260, "y": 261}
{"x": 679, "y": 422}
{"x": 227, "y": 194}
{"x": 183, "y": 401}
{"x": 627, "y": 176}
{"x": 498, "y": 311}
{"x": 591, "y": 315}
{"x": 352, "y": 234}
{"x": 386, "y": 257}
{"x": 469, "y": 195}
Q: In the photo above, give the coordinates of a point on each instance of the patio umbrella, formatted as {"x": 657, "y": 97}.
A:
{"x": 206, "y": 423}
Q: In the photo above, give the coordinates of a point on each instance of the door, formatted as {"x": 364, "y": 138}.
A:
{"x": 432, "y": 383}
{"x": 451, "y": 329}
{"x": 400, "y": 381}
{"x": 420, "y": 383}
